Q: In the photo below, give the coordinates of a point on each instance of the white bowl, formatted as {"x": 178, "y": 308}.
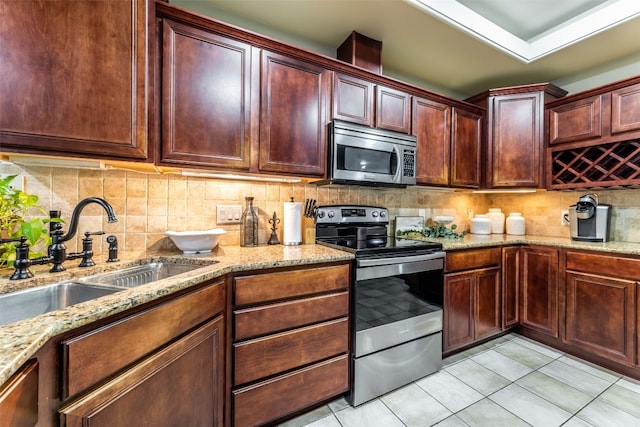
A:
{"x": 196, "y": 242}
{"x": 443, "y": 219}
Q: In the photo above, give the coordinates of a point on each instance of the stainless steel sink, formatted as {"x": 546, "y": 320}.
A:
{"x": 142, "y": 274}
{"x": 31, "y": 302}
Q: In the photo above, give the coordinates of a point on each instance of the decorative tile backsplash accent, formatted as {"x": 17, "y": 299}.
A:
{"x": 149, "y": 204}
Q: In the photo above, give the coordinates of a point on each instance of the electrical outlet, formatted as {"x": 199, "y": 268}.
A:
{"x": 564, "y": 217}
{"x": 229, "y": 214}
{"x": 17, "y": 183}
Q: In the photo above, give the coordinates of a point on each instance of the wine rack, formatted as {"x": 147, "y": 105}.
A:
{"x": 604, "y": 165}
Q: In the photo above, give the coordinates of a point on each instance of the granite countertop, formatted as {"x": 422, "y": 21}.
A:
{"x": 471, "y": 241}
{"x": 20, "y": 340}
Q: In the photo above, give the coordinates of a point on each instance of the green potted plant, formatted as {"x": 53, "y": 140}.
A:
{"x": 17, "y": 218}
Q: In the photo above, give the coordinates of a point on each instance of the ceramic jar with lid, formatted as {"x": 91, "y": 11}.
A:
{"x": 480, "y": 224}
{"x": 515, "y": 224}
{"x": 497, "y": 220}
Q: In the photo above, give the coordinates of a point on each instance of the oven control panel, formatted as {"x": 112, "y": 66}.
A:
{"x": 340, "y": 214}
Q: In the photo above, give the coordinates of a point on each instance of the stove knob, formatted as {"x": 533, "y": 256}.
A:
{"x": 331, "y": 214}
{"x": 374, "y": 214}
{"x": 383, "y": 214}
{"x": 320, "y": 214}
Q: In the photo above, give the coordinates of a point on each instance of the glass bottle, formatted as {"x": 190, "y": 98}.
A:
{"x": 249, "y": 225}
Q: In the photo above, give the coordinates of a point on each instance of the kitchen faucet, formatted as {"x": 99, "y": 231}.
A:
{"x": 57, "y": 249}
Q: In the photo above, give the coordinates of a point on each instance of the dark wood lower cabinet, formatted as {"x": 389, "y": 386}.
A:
{"x": 600, "y": 316}
{"x": 290, "y": 342}
{"x": 539, "y": 289}
{"x": 510, "y": 286}
{"x": 179, "y": 385}
{"x": 19, "y": 397}
{"x": 275, "y": 398}
{"x": 471, "y": 307}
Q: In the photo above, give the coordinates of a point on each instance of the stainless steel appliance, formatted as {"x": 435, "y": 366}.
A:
{"x": 363, "y": 155}
{"x": 396, "y": 304}
{"x": 589, "y": 220}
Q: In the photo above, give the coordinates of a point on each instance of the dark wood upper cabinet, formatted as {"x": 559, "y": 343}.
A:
{"x": 594, "y": 138}
{"x": 625, "y": 109}
{"x": 466, "y": 128}
{"x": 293, "y": 115}
{"x": 432, "y": 129}
{"x": 393, "y": 109}
{"x": 353, "y": 99}
{"x": 74, "y": 78}
{"x": 576, "y": 121}
{"x": 515, "y": 133}
{"x": 206, "y": 98}
{"x": 361, "y": 101}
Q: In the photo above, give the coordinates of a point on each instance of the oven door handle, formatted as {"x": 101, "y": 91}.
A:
{"x": 375, "y": 262}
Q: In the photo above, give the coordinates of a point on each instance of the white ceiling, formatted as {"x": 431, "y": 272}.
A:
{"x": 464, "y": 46}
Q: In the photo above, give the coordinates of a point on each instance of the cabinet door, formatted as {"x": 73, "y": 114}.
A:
{"x": 293, "y": 116}
{"x": 19, "y": 397}
{"x": 74, "y": 78}
{"x": 393, "y": 109}
{"x": 625, "y": 109}
{"x": 181, "y": 384}
{"x": 600, "y": 316}
{"x": 465, "y": 148}
{"x": 353, "y": 99}
{"x": 432, "y": 129}
{"x": 515, "y": 145}
{"x": 576, "y": 121}
{"x": 487, "y": 303}
{"x": 510, "y": 285}
{"x": 206, "y": 91}
{"x": 539, "y": 290}
{"x": 458, "y": 327}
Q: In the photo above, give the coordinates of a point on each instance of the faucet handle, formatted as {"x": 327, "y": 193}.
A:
{"x": 93, "y": 233}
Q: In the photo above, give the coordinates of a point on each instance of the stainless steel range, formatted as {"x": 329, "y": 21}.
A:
{"x": 397, "y": 300}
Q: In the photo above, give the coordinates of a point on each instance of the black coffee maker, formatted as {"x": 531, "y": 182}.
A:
{"x": 589, "y": 220}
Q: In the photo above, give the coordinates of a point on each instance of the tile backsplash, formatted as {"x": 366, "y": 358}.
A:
{"x": 149, "y": 204}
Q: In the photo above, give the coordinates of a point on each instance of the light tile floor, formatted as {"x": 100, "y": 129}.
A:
{"x": 510, "y": 381}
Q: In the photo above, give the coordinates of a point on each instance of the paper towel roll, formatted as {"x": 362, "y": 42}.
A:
{"x": 292, "y": 223}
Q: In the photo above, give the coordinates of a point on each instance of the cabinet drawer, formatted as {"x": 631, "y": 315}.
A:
{"x": 252, "y": 322}
{"x": 98, "y": 354}
{"x": 469, "y": 260}
{"x": 287, "y": 284}
{"x": 278, "y": 353}
{"x": 625, "y": 268}
{"x": 255, "y": 405}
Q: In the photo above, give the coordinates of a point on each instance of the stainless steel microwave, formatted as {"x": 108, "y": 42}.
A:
{"x": 368, "y": 156}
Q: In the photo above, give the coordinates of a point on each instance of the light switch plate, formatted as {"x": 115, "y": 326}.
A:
{"x": 228, "y": 214}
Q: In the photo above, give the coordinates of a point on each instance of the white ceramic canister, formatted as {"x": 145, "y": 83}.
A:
{"x": 497, "y": 220}
{"x": 515, "y": 224}
{"x": 480, "y": 224}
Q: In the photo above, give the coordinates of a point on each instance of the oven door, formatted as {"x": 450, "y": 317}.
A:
{"x": 396, "y": 300}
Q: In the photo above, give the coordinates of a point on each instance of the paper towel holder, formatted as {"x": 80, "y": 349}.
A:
{"x": 292, "y": 235}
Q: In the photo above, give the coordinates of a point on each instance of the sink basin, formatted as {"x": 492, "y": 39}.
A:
{"x": 31, "y": 302}
{"x": 141, "y": 274}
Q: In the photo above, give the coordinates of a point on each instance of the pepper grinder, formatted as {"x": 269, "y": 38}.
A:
{"x": 273, "y": 240}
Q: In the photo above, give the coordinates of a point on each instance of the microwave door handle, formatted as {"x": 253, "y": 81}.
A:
{"x": 399, "y": 163}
